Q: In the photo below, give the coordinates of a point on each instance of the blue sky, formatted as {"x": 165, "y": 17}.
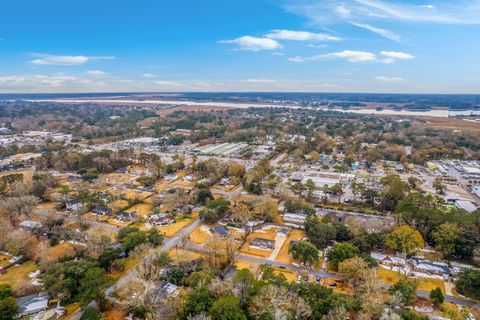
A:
{"x": 240, "y": 45}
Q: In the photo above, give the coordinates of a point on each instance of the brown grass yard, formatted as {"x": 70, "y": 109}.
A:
{"x": 18, "y": 274}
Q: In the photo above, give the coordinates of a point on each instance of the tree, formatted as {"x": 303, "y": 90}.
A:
{"x": 277, "y": 302}
{"x": 436, "y": 295}
{"x": 337, "y": 189}
{"x": 198, "y": 301}
{"x": 445, "y": 237}
{"x": 394, "y": 190}
{"x": 243, "y": 281}
{"x": 405, "y": 239}
{"x": 311, "y": 188}
{"x": 5, "y": 291}
{"x": 405, "y": 289}
{"x": 305, "y": 251}
{"x": 341, "y": 252}
{"x": 438, "y": 185}
{"x": 320, "y": 234}
{"x": 8, "y": 308}
{"x": 92, "y": 284}
{"x": 468, "y": 283}
{"x": 227, "y": 308}
{"x": 337, "y": 313}
{"x": 90, "y": 313}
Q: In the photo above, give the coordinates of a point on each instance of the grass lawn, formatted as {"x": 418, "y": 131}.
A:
{"x": 242, "y": 264}
{"x": 181, "y": 255}
{"x": 388, "y": 276}
{"x": 70, "y": 310}
{"x": 117, "y": 205}
{"x": 284, "y": 256}
{"x": 200, "y": 234}
{"x": 142, "y": 209}
{"x": 93, "y": 217}
{"x": 341, "y": 287}
{"x": 61, "y": 250}
{"x": 450, "y": 311}
{"x": 428, "y": 284}
{"x": 172, "y": 229}
{"x": 18, "y": 274}
{"x": 290, "y": 275}
{"x": 183, "y": 184}
{"x": 132, "y": 194}
{"x": 129, "y": 263}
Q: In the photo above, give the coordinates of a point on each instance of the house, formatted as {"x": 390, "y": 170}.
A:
{"x": 161, "y": 219}
{"x": 296, "y": 220}
{"x": 220, "y": 230}
{"x": 32, "y": 304}
{"x": 125, "y": 216}
{"x": 262, "y": 243}
{"x": 102, "y": 210}
{"x": 430, "y": 267}
{"x": 29, "y": 225}
{"x": 388, "y": 260}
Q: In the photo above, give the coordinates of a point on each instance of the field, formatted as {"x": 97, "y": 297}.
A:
{"x": 172, "y": 229}
{"x": 61, "y": 250}
{"x": 18, "y": 274}
{"x": 242, "y": 264}
{"x": 129, "y": 263}
{"x": 428, "y": 284}
{"x": 388, "y": 276}
{"x": 181, "y": 255}
{"x": 290, "y": 275}
{"x": 284, "y": 256}
{"x": 200, "y": 235}
{"x": 142, "y": 209}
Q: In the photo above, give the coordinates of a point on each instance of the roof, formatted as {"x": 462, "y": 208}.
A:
{"x": 465, "y": 205}
{"x": 221, "y": 230}
{"x": 430, "y": 265}
{"x": 382, "y": 257}
{"x": 32, "y": 304}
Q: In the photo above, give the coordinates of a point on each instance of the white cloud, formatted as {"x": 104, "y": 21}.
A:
{"x": 260, "y": 81}
{"x": 397, "y": 55}
{"x": 45, "y": 60}
{"x": 317, "y": 46}
{"x": 300, "y": 36}
{"x": 352, "y": 56}
{"x": 382, "y": 32}
{"x": 168, "y": 83}
{"x": 149, "y": 75}
{"x": 442, "y": 12}
{"x": 278, "y": 54}
{"x": 387, "y": 57}
{"x": 388, "y": 79}
{"x": 298, "y": 59}
{"x": 249, "y": 43}
{"x": 349, "y": 55}
{"x": 427, "y": 6}
{"x": 96, "y": 73}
